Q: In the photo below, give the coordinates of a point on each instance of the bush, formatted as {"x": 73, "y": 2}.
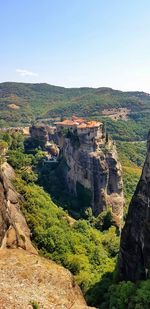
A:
{"x": 121, "y": 295}
{"x": 19, "y": 159}
{"x": 104, "y": 221}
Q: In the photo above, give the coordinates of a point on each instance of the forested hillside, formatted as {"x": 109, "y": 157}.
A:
{"x": 22, "y": 103}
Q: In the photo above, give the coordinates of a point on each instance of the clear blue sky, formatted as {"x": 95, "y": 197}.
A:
{"x": 76, "y": 43}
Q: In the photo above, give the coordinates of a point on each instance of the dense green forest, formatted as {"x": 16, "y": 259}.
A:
{"x": 21, "y": 103}
{"x": 87, "y": 247}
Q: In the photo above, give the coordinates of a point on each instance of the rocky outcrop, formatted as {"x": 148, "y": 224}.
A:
{"x": 41, "y": 134}
{"x": 30, "y": 279}
{"x": 134, "y": 259}
{"x": 92, "y": 171}
{"x": 26, "y": 278}
{"x": 14, "y": 231}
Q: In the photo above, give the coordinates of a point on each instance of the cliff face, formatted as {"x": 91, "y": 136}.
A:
{"x": 134, "y": 259}
{"x": 14, "y": 231}
{"x": 92, "y": 171}
{"x": 27, "y": 278}
{"x": 92, "y": 168}
{"x": 41, "y": 134}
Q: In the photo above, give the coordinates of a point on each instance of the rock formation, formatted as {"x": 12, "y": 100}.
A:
{"x": 41, "y": 134}
{"x": 14, "y": 231}
{"x": 30, "y": 279}
{"x": 26, "y": 278}
{"x": 92, "y": 169}
{"x": 134, "y": 259}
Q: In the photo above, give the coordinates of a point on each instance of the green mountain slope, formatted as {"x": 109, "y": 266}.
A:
{"x": 21, "y": 103}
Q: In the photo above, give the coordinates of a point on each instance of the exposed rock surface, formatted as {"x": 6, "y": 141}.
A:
{"x": 134, "y": 260}
{"x": 27, "y": 278}
{"x": 92, "y": 166}
{"x": 41, "y": 134}
{"x": 14, "y": 231}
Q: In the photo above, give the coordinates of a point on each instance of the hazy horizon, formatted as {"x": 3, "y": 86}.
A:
{"x": 33, "y": 83}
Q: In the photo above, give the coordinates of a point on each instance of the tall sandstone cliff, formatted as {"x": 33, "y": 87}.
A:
{"x": 134, "y": 259}
{"x": 92, "y": 166}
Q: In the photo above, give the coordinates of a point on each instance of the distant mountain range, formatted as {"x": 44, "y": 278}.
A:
{"x": 22, "y": 103}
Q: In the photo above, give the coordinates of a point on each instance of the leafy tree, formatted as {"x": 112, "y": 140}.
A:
{"x": 28, "y": 175}
{"x": 17, "y": 142}
{"x": 142, "y": 297}
{"x": 18, "y": 159}
{"x": 121, "y": 295}
{"x": 7, "y": 138}
{"x": 104, "y": 220}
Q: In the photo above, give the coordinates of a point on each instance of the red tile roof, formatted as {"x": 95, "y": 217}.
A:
{"x": 79, "y": 123}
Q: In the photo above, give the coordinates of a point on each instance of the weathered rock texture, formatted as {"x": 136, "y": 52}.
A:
{"x": 134, "y": 259}
{"x": 92, "y": 168}
{"x": 41, "y": 134}
{"x": 27, "y": 278}
{"x": 14, "y": 231}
